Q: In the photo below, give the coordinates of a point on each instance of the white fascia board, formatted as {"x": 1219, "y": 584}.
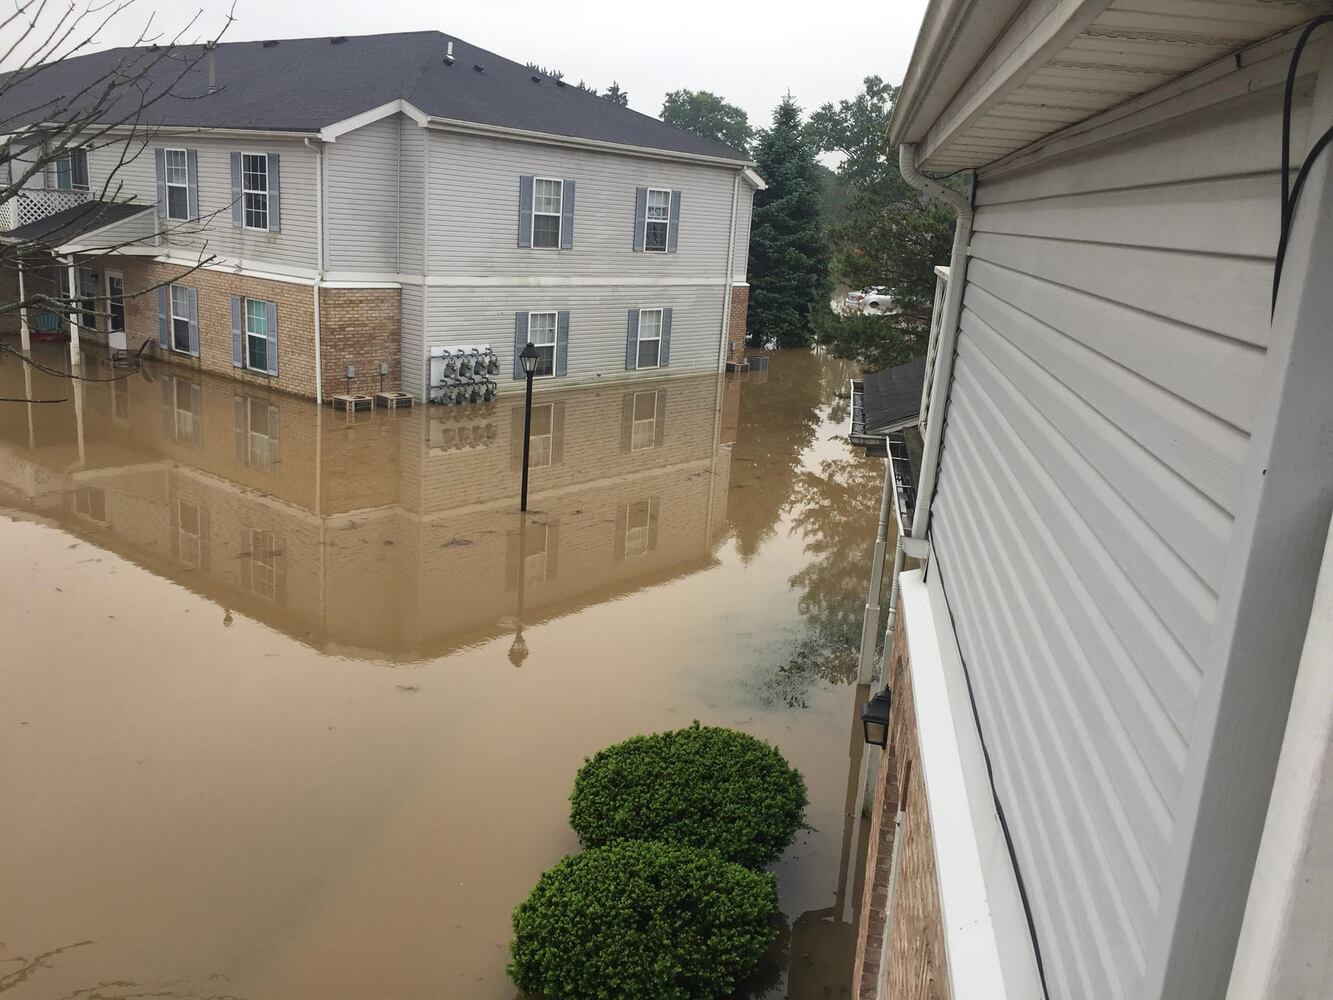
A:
{"x": 185, "y": 130}
{"x": 753, "y": 179}
{"x": 576, "y": 142}
{"x": 331, "y": 133}
{"x": 990, "y": 955}
{"x": 238, "y": 266}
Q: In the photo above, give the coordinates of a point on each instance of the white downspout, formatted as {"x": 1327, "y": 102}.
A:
{"x": 727, "y": 295}
{"x": 319, "y": 266}
{"x": 948, "y": 334}
{"x": 25, "y": 334}
{"x": 75, "y": 358}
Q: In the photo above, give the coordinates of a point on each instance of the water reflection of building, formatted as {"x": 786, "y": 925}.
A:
{"x": 384, "y": 535}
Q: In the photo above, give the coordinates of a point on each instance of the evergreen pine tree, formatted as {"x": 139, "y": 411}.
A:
{"x": 789, "y": 255}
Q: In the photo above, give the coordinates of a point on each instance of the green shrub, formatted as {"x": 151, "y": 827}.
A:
{"x": 701, "y": 787}
{"x": 642, "y": 921}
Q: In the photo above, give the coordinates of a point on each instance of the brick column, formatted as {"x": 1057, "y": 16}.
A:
{"x": 739, "y": 323}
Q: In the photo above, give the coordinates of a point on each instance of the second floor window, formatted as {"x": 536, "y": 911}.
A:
{"x": 657, "y": 221}
{"x": 254, "y": 190}
{"x": 177, "y": 176}
{"x": 71, "y": 170}
{"x": 547, "y": 199}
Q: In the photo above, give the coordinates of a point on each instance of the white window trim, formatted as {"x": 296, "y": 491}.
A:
{"x": 638, "y": 552}
{"x": 559, "y": 215}
{"x": 661, "y": 312}
{"x": 193, "y": 420}
{"x": 69, "y": 154}
{"x": 245, "y": 330}
{"x": 267, "y": 193}
{"x": 109, "y": 321}
{"x": 171, "y": 301}
{"x": 646, "y": 219}
{"x": 258, "y": 446}
{"x": 549, "y": 436}
{"x": 166, "y": 179}
{"x": 555, "y": 342}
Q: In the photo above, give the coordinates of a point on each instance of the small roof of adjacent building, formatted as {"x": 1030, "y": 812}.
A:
{"x": 892, "y": 397}
{"x": 71, "y": 223}
{"x": 307, "y": 84}
{"x": 989, "y": 78}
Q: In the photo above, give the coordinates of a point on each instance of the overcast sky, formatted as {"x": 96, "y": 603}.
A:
{"x": 749, "y": 53}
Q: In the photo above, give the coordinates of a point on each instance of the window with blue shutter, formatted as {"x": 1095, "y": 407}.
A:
{"x": 545, "y": 213}
{"x": 524, "y": 215}
{"x": 656, "y": 220}
{"x": 256, "y": 191}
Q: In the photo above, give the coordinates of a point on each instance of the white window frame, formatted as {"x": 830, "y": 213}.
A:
{"x": 641, "y": 537}
{"x": 171, "y": 300}
{"x": 247, "y": 333}
{"x": 540, "y": 457}
{"x": 183, "y": 185}
{"x": 189, "y": 544}
{"x": 187, "y": 424}
{"x": 639, "y": 340}
{"x": 559, "y": 214}
{"x": 69, "y": 154}
{"x": 535, "y": 565}
{"x": 649, "y": 422}
{"x": 110, "y": 313}
{"x": 246, "y": 192}
{"x": 554, "y": 345}
{"x": 269, "y": 589}
{"x": 647, "y": 219}
{"x": 259, "y": 446}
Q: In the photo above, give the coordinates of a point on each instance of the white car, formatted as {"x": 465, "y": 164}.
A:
{"x": 872, "y": 300}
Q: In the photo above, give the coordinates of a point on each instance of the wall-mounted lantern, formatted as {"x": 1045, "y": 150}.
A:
{"x": 875, "y": 718}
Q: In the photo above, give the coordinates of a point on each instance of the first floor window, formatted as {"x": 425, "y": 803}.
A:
{"x": 263, "y": 563}
{"x": 650, "y": 338}
{"x": 258, "y": 433}
{"x": 639, "y": 527}
{"x": 547, "y": 199}
{"x": 643, "y": 434}
{"x": 188, "y": 532}
{"x": 178, "y": 183}
{"x": 254, "y": 190}
{"x": 256, "y": 334}
{"x": 542, "y": 335}
{"x": 115, "y": 302}
{"x": 657, "y": 221}
{"x": 180, "y": 319}
{"x": 187, "y": 400}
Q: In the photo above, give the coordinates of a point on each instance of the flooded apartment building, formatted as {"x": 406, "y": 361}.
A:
{"x": 326, "y": 215}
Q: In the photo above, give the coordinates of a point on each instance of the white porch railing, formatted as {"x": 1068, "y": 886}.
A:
{"x": 932, "y": 346}
{"x": 32, "y": 204}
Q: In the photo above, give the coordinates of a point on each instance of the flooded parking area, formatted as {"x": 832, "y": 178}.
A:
{"x": 291, "y": 701}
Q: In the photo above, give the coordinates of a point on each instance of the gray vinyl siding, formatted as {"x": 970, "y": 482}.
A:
{"x": 215, "y": 235}
{"x": 412, "y": 163}
{"x": 597, "y": 325}
{"x": 741, "y": 248}
{"x": 474, "y": 212}
{"x": 1110, "y": 354}
{"x": 361, "y": 178}
{"x": 137, "y": 230}
{"x": 414, "y": 352}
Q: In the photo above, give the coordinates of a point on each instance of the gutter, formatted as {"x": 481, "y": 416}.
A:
{"x": 319, "y": 266}
{"x": 727, "y": 295}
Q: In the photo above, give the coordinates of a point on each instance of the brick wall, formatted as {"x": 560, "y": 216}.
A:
{"x": 917, "y": 967}
{"x": 360, "y": 327}
{"x": 738, "y": 324}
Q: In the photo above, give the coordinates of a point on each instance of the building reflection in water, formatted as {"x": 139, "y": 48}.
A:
{"x": 383, "y": 535}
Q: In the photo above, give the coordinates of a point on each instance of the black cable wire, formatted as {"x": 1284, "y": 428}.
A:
{"x": 995, "y": 792}
{"x": 1291, "y": 192}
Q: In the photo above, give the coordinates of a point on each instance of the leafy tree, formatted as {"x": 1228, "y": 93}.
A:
{"x": 858, "y": 131}
{"x": 789, "y": 257}
{"x": 617, "y": 96}
{"x": 705, "y": 114}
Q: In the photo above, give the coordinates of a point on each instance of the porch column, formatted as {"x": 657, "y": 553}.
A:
{"x": 76, "y": 386}
{"x": 25, "y": 338}
{"x": 75, "y": 359}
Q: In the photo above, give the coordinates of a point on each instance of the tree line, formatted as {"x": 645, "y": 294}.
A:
{"x": 859, "y": 225}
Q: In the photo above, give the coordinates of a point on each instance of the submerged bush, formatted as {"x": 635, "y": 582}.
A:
{"x": 642, "y": 921}
{"x": 701, "y": 787}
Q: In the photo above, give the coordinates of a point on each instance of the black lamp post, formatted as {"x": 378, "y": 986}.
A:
{"x": 875, "y": 718}
{"x": 528, "y": 359}
{"x": 518, "y": 651}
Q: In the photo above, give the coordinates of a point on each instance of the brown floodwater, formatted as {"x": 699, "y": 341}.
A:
{"x": 291, "y": 702}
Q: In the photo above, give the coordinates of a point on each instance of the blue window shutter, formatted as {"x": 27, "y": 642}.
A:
{"x": 562, "y": 342}
{"x": 272, "y": 338}
{"x": 659, "y": 423}
{"x": 525, "y": 211}
{"x": 160, "y": 167}
{"x": 520, "y": 339}
{"x": 274, "y": 193}
{"x": 193, "y": 295}
{"x": 164, "y": 317}
{"x": 567, "y": 215}
{"x": 640, "y": 216}
{"x": 237, "y": 333}
{"x": 192, "y": 168}
{"x": 664, "y": 354}
{"x": 673, "y": 228}
{"x": 632, "y": 342}
{"x": 236, "y": 207}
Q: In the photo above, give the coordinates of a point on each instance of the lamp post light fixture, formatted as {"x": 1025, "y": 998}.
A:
{"x": 875, "y": 718}
{"x": 528, "y": 359}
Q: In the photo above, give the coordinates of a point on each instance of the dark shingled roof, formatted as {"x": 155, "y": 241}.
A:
{"x": 892, "y": 398}
{"x": 305, "y": 84}
{"x": 69, "y": 223}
